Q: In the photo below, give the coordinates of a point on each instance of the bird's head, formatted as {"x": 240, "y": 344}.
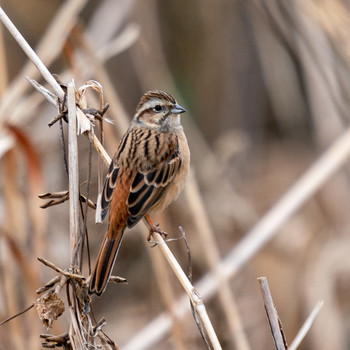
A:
{"x": 158, "y": 110}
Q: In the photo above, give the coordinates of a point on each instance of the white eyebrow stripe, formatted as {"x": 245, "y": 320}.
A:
{"x": 149, "y": 105}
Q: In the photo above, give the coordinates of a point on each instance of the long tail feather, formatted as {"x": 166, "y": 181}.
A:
{"x": 104, "y": 264}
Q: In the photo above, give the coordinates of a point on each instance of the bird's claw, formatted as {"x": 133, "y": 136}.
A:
{"x": 155, "y": 228}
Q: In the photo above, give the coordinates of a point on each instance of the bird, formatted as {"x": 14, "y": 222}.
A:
{"x": 148, "y": 171}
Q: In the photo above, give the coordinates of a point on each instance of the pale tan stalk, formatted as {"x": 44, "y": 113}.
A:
{"x": 271, "y": 313}
{"x": 73, "y": 166}
{"x": 306, "y": 326}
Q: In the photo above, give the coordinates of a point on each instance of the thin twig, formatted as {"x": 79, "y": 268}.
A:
{"x": 63, "y": 147}
{"x": 49, "y": 285}
{"x": 271, "y": 313}
{"x": 19, "y": 314}
{"x": 57, "y": 269}
{"x": 306, "y": 327}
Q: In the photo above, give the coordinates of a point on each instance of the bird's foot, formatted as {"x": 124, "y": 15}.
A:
{"x": 155, "y": 228}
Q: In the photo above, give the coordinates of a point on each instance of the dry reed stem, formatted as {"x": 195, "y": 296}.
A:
{"x": 73, "y": 164}
{"x": 271, "y": 313}
{"x": 164, "y": 280}
{"x": 275, "y": 324}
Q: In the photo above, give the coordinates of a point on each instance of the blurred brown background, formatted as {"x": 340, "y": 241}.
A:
{"x": 266, "y": 86}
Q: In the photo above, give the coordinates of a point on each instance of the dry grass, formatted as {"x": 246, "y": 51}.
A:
{"x": 267, "y": 91}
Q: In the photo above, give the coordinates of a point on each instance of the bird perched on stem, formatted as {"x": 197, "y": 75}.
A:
{"x": 147, "y": 173}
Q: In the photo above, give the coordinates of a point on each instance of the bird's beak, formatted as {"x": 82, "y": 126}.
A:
{"x": 177, "y": 109}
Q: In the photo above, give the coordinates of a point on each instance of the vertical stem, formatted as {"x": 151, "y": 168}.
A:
{"x": 73, "y": 174}
{"x": 271, "y": 313}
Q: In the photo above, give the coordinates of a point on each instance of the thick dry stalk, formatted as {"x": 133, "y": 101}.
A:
{"x": 271, "y": 313}
{"x": 73, "y": 173}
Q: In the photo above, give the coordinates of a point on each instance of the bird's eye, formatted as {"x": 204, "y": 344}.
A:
{"x": 158, "y": 108}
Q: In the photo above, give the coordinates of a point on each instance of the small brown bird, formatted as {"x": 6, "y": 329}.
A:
{"x": 147, "y": 173}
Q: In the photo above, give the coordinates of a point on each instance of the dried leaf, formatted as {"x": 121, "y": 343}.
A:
{"x": 98, "y": 213}
{"x": 49, "y": 308}
{"x": 83, "y": 123}
{"x": 48, "y": 195}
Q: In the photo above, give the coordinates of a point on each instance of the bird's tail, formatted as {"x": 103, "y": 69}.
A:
{"x": 104, "y": 263}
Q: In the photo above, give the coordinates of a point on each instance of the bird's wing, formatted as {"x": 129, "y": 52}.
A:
{"x": 108, "y": 188}
{"x": 153, "y": 161}
{"x": 152, "y": 182}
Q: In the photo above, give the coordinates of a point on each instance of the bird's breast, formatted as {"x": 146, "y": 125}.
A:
{"x": 177, "y": 184}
